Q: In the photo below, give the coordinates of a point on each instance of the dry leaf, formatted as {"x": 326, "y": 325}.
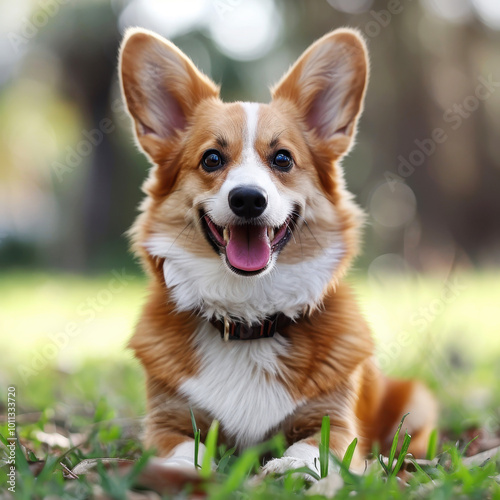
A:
{"x": 480, "y": 458}
{"x": 90, "y": 464}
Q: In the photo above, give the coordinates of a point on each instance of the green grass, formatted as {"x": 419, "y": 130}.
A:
{"x": 226, "y": 476}
{"x": 92, "y": 386}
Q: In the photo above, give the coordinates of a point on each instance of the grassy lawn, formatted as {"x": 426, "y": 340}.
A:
{"x": 79, "y": 392}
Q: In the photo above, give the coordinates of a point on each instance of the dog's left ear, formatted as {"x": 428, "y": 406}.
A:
{"x": 327, "y": 86}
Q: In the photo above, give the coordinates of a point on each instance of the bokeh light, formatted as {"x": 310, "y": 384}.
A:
{"x": 489, "y": 12}
{"x": 241, "y": 30}
{"x": 248, "y": 31}
{"x": 175, "y": 18}
{"x": 393, "y": 205}
{"x": 351, "y": 6}
{"x": 455, "y": 11}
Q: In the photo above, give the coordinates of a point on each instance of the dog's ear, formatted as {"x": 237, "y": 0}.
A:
{"x": 161, "y": 87}
{"x": 327, "y": 85}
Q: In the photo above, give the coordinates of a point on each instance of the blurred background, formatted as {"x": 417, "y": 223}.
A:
{"x": 426, "y": 169}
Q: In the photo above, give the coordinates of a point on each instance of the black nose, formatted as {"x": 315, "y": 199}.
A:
{"x": 247, "y": 201}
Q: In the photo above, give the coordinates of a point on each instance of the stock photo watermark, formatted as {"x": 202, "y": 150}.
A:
{"x": 90, "y": 140}
{"x": 88, "y": 310}
{"x": 454, "y": 116}
{"x": 224, "y": 7}
{"x": 11, "y": 439}
{"x": 30, "y": 26}
{"x": 382, "y": 18}
{"x": 439, "y": 362}
{"x": 420, "y": 321}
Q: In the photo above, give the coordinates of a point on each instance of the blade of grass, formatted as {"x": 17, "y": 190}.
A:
{"x": 210, "y": 449}
{"x": 111, "y": 484}
{"x": 467, "y": 445}
{"x": 4, "y": 440}
{"x": 247, "y": 462}
{"x": 344, "y": 472}
{"x": 402, "y": 454}
{"x": 239, "y": 471}
{"x": 324, "y": 446}
{"x": 395, "y": 441}
{"x": 224, "y": 460}
{"x": 138, "y": 466}
{"x": 197, "y": 437}
{"x": 303, "y": 470}
{"x": 21, "y": 462}
{"x": 432, "y": 445}
{"x": 349, "y": 453}
{"x": 381, "y": 461}
{"x": 420, "y": 470}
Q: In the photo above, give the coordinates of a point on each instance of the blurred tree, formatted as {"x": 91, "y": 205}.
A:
{"x": 423, "y": 64}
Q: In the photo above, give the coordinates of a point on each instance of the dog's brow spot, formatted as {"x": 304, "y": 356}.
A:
{"x": 221, "y": 140}
{"x": 275, "y": 140}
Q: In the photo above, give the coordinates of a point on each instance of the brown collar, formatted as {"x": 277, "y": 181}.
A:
{"x": 236, "y": 330}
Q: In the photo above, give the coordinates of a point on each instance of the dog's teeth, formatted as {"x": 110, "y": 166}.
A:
{"x": 270, "y": 233}
{"x": 226, "y": 234}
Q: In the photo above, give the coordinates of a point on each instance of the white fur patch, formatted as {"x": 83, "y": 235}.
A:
{"x": 283, "y": 465}
{"x": 206, "y": 284}
{"x": 183, "y": 455}
{"x": 303, "y": 451}
{"x": 237, "y": 384}
{"x": 297, "y": 456}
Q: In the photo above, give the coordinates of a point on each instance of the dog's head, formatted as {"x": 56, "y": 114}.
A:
{"x": 246, "y": 209}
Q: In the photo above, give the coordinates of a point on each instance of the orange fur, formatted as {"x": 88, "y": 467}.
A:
{"x": 329, "y": 366}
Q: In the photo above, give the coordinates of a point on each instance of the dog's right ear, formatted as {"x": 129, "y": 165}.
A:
{"x": 161, "y": 87}
{"x": 327, "y": 86}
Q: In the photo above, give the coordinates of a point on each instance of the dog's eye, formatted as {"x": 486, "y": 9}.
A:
{"x": 283, "y": 160}
{"x": 212, "y": 160}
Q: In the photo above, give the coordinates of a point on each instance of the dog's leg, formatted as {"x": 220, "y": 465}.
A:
{"x": 171, "y": 440}
{"x": 303, "y": 429}
{"x": 169, "y": 429}
{"x": 305, "y": 453}
{"x": 401, "y": 397}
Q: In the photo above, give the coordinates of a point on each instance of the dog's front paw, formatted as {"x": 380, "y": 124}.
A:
{"x": 182, "y": 456}
{"x": 280, "y": 466}
{"x": 328, "y": 486}
{"x": 178, "y": 462}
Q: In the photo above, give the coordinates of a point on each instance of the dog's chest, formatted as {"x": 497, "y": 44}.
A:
{"x": 237, "y": 385}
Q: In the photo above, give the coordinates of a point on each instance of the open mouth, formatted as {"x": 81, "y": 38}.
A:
{"x": 248, "y": 247}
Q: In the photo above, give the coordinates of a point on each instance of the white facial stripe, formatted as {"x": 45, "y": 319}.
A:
{"x": 252, "y": 112}
{"x": 250, "y": 172}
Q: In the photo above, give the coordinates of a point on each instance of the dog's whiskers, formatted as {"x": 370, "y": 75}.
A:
{"x": 177, "y": 237}
{"x": 295, "y": 227}
{"x": 308, "y": 228}
{"x": 291, "y": 231}
{"x": 199, "y": 204}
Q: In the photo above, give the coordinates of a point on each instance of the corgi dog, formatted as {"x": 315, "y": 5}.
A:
{"x": 246, "y": 233}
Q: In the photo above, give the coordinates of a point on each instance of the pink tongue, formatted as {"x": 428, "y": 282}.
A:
{"x": 248, "y": 248}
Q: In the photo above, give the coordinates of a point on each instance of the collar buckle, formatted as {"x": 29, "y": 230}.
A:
{"x": 237, "y": 330}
